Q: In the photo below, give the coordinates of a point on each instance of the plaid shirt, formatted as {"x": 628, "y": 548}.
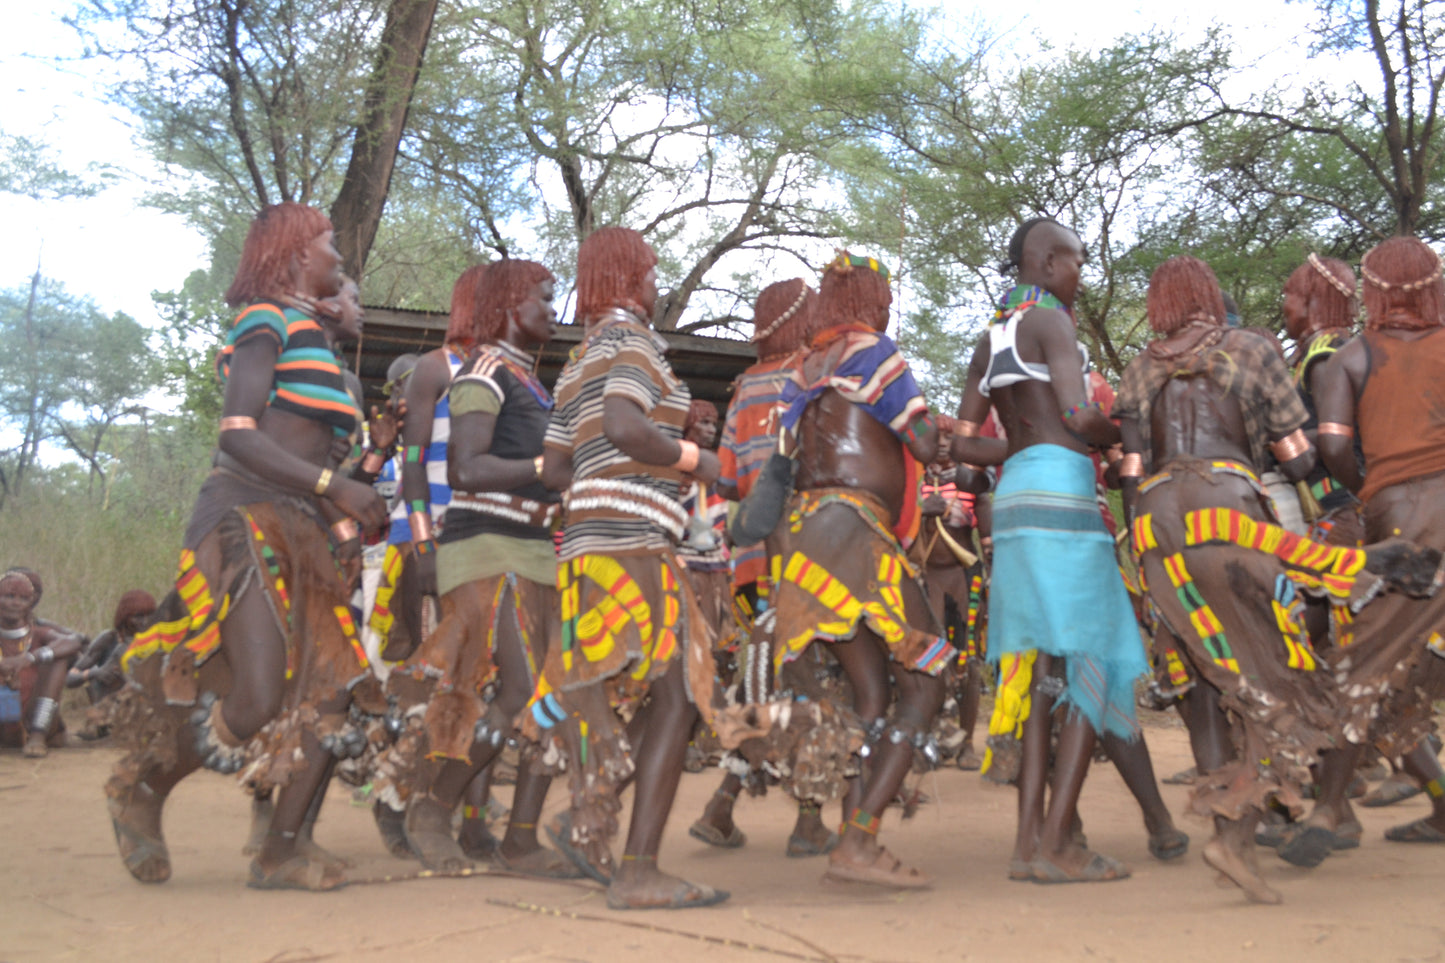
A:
{"x": 1242, "y": 364}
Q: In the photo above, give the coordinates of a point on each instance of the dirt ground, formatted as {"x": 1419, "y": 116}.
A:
{"x": 67, "y": 896}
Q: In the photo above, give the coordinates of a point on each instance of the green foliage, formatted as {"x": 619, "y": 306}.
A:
{"x": 27, "y": 169}
{"x": 68, "y": 374}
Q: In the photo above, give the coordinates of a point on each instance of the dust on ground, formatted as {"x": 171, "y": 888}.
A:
{"x": 67, "y": 896}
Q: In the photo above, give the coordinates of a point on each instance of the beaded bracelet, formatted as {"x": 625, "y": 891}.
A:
{"x": 1082, "y": 407}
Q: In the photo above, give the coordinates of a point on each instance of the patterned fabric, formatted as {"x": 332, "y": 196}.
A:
{"x": 439, "y": 492}
{"x": 1056, "y": 585}
{"x": 257, "y": 547}
{"x": 867, "y": 369}
{"x": 817, "y": 594}
{"x": 749, "y": 436}
{"x": 1241, "y": 364}
{"x": 618, "y": 359}
{"x": 497, "y": 381}
{"x": 1229, "y": 589}
{"x": 307, "y": 378}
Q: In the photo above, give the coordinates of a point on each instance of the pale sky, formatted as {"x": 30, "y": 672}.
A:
{"x": 114, "y": 249}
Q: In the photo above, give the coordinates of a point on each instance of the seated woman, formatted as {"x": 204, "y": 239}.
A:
{"x": 34, "y": 658}
{"x": 98, "y": 668}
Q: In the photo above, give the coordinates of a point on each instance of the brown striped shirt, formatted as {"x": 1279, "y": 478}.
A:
{"x": 617, "y": 505}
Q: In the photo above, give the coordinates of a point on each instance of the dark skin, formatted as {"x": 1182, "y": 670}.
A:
{"x": 1192, "y": 418}
{"x": 841, "y": 445}
{"x": 809, "y": 830}
{"x": 671, "y": 717}
{"x": 17, "y": 611}
{"x": 1337, "y": 393}
{"x": 1031, "y": 414}
{"x": 424, "y": 389}
{"x": 287, "y": 451}
{"x": 472, "y": 467}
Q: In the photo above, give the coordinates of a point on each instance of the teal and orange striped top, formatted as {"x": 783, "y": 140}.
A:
{"x": 308, "y": 378}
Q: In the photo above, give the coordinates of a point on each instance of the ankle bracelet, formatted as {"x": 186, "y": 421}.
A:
{"x": 864, "y": 821}
{"x": 640, "y": 858}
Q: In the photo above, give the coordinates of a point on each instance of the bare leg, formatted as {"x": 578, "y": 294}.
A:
{"x": 1231, "y": 852}
{"x": 1421, "y": 764}
{"x": 1208, "y": 727}
{"x": 280, "y": 863}
{"x": 858, "y": 856}
{"x": 1132, "y": 760}
{"x": 1034, "y": 771}
{"x": 136, "y": 813}
{"x": 637, "y": 882}
{"x": 475, "y": 839}
{"x": 969, "y": 697}
{"x": 306, "y": 843}
{"x": 716, "y": 826}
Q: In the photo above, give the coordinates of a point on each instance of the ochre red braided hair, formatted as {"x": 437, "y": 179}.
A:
{"x": 1332, "y": 307}
{"x": 773, "y": 302}
{"x": 852, "y": 292}
{"x": 502, "y": 290}
{"x": 466, "y": 305}
{"x": 611, "y": 265}
{"x": 1403, "y": 287}
{"x": 269, "y": 258}
{"x": 1183, "y": 290}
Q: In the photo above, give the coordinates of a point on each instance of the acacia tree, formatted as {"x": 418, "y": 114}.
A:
{"x": 68, "y": 374}
{"x": 1360, "y": 157}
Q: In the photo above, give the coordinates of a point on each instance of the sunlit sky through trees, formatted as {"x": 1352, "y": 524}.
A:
{"x": 113, "y": 249}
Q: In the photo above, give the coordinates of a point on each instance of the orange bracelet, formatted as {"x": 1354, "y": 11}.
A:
{"x": 345, "y": 530}
{"x": 1336, "y": 428}
{"x": 420, "y": 527}
{"x": 687, "y": 460}
{"x": 1131, "y": 465}
{"x": 238, "y": 423}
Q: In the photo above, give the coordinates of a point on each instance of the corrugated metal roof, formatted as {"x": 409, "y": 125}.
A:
{"x": 708, "y": 365}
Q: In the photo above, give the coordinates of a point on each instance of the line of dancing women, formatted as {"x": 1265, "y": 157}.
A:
{"x": 556, "y": 577}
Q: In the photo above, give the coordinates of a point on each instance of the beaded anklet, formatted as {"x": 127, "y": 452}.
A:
{"x": 864, "y": 821}
{"x": 474, "y": 812}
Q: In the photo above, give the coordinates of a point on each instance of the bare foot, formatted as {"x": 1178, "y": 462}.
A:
{"x": 316, "y": 853}
{"x": 429, "y": 831}
{"x": 810, "y": 837}
{"x": 639, "y": 884}
{"x": 137, "y": 824}
{"x": 1229, "y": 864}
{"x": 476, "y": 840}
{"x": 392, "y": 826}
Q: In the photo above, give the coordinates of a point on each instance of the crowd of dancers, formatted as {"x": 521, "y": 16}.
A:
{"x": 578, "y": 575}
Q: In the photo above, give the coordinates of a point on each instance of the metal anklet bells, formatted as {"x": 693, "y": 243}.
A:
{"x": 217, "y": 752}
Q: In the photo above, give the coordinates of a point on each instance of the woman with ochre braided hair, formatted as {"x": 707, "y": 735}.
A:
{"x": 35, "y": 657}
{"x": 631, "y": 628}
{"x": 497, "y": 575}
{"x": 258, "y": 578}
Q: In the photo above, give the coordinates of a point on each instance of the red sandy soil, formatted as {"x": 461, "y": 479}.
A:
{"x": 67, "y": 896}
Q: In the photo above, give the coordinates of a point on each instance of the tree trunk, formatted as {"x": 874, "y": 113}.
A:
{"x": 357, "y": 210}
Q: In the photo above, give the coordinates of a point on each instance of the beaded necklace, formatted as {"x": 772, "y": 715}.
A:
{"x": 1020, "y": 299}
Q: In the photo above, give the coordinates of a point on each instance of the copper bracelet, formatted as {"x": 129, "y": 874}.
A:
{"x": 420, "y": 527}
{"x": 238, "y": 423}
{"x": 345, "y": 530}
{"x": 1291, "y": 446}
{"x": 688, "y": 458}
{"x": 373, "y": 461}
{"x": 1131, "y": 465}
{"x": 965, "y": 429}
{"x": 1336, "y": 428}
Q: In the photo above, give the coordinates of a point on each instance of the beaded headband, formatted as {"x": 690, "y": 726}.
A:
{"x": 845, "y": 262}
{"x": 1348, "y": 290}
{"x": 1424, "y": 282}
{"x": 780, "y": 319}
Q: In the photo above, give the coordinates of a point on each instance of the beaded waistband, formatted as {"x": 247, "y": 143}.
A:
{"x": 513, "y": 508}
{"x": 629, "y": 498}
